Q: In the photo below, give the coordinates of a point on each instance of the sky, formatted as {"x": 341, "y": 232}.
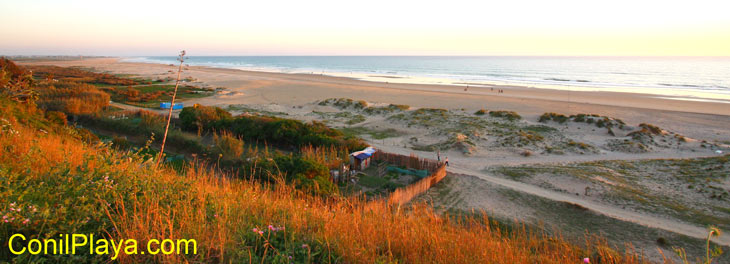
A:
{"x": 373, "y": 27}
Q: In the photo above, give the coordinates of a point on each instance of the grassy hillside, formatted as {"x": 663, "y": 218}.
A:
{"x": 57, "y": 179}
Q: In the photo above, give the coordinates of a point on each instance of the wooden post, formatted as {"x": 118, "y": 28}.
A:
{"x": 172, "y": 105}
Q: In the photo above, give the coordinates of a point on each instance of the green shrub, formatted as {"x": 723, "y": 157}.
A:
{"x": 306, "y": 174}
{"x": 286, "y": 132}
{"x": 199, "y": 117}
{"x": 560, "y": 118}
{"x": 509, "y": 115}
{"x": 228, "y": 145}
{"x": 480, "y": 112}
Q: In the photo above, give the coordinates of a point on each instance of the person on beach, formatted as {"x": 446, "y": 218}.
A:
{"x": 438, "y": 155}
{"x": 446, "y": 160}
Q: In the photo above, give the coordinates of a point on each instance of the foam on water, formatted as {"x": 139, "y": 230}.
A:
{"x": 682, "y": 77}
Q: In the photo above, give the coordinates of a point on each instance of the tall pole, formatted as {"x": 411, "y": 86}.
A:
{"x": 172, "y": 104}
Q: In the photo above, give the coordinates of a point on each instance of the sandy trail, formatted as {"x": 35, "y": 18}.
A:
{"x": 649, "y": 221}
{"x": 465, "y": 166}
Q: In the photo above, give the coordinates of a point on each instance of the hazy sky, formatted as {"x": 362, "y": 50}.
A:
{"x": 373, "y": 27}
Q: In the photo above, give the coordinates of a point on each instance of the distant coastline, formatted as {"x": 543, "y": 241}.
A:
{"x": 714, "y": 87}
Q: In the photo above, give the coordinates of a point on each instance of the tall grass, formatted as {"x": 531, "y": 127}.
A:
{"x": 228, "y": 144}
{"x": 85, "y": 188}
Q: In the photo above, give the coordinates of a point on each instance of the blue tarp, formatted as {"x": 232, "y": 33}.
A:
{"x": 166, "y": 105}
{"x": 362, "y": 156}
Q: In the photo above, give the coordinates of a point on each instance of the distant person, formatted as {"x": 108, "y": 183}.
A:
{"x": 446, "y": 160}
{"x": 438, "y": 155}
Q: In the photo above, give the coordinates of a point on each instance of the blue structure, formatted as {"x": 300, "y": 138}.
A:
{"x": 360, "y": 160}
{"x": 166, "y": 105}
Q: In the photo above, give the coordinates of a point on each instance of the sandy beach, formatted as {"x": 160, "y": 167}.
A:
{"x": 708, "y": 120}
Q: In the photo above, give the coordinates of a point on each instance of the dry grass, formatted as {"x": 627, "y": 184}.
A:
{"x": 143, "y": 203}
{"x": 228, "y": 144}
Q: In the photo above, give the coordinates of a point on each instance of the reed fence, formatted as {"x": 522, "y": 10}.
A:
{"x": 436, "y": 169}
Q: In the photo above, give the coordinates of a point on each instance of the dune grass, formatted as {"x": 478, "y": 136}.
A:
{"x": 73, "y": 186}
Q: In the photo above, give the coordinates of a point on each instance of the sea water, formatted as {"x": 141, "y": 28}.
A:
{"x": 690, "y": 78}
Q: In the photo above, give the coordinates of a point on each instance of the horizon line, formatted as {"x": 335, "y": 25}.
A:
{"x": 360, "y": 55}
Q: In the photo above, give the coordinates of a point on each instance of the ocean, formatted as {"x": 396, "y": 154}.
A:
{"x": 686, "y": 78}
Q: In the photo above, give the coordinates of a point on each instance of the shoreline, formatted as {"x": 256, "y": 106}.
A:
{"x": 522, "y": 92}
{"x": 664, "y": 91}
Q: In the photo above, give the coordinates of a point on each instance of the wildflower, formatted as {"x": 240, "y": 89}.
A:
{"x": 215, "y": 215}
{"x": 272, "y": 228}
{"x": 305, "y": 246}
{"x": 25, "y": 222}
{"x": 586, "y": 260}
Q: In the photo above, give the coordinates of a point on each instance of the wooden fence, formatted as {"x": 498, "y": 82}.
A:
{"x": 437, "y": 172}
{"x": 410, "y": 162}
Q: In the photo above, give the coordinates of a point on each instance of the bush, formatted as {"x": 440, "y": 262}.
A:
{"x": 480, "y": 112}
{"x": 200, "y": 117}
{"x": 286, "y": 132}
{"x": 651, "y": 128}
{"x": 71, "y": 98}
{"x": 509, "y": 115}
{"x": 57, "y": 117}
{"x": 306, "y": 174}
{"x": 228, "y": 145}
{"x": 560, "y": 118}
{"x": 150, "y": 120}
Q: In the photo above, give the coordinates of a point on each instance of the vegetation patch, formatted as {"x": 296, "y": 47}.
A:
{"x": 692, "y": 190}
{"x": 509, "y": 115}
{"x": 344, "y": 103}
{"x": 382, "y": 110}
{"x": 249, "y": 110}
{"x": 79, "y": 75}
{"x": 373, "y": 133}
{"x": 272, "y": 130}
{"x": 560, "y": 118}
